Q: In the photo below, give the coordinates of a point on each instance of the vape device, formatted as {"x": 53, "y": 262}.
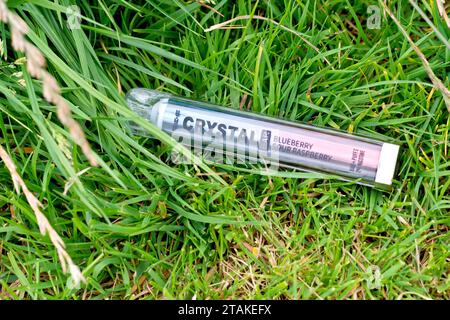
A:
{"x": 229, "y": 135}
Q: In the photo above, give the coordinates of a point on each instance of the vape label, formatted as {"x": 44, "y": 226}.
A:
{"x": 212, "y": 129}
{"x": 226, "y": 136}
{"x": 220, "y": 138}
{"x": 357, "y": 160}
{"x": 300, "y": 148}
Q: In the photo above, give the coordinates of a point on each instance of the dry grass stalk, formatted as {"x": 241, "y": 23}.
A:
{"x": 224, "y": 25}
{"x": 430, "y": 23}
{"x": 203, "y": 4}
{"x": 434, "y": 79}
{"x": 36, "y": 66}
{"x": 43, "y": 223}
{"x": 443, "y": 12}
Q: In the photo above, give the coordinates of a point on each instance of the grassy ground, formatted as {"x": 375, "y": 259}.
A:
{"x": 141, "y": 227}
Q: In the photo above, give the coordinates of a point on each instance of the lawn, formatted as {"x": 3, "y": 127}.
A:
{"x": 138, "y": 226}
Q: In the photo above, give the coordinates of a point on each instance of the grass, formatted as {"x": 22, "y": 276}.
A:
{"x": 141, "y": 227}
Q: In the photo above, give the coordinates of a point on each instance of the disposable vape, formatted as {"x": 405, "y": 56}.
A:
{"x": 226, "y": 135}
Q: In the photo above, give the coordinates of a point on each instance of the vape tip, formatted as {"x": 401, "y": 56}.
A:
{"x": 145, "y": 96}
